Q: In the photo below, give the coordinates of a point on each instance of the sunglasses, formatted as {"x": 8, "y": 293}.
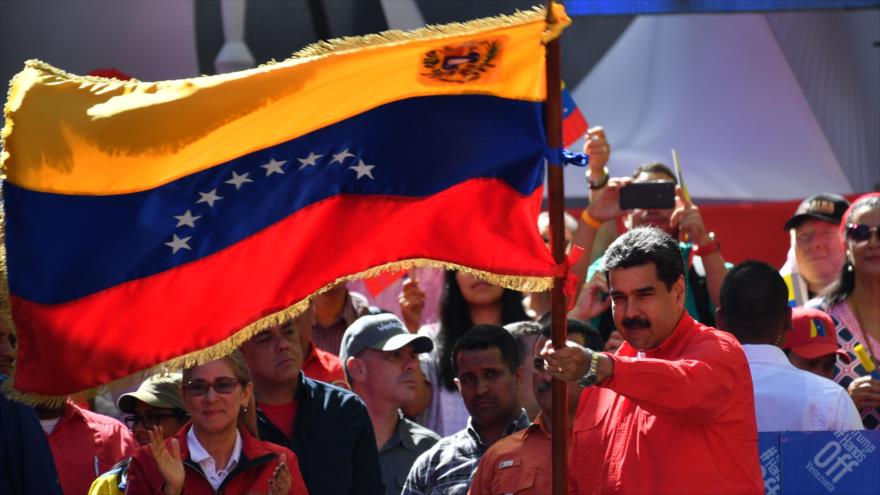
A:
{"x": 861, "y": 232}
{"x": 149, "y": 420}
{"x": 198, "y": 388}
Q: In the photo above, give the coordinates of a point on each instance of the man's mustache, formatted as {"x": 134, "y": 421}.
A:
{"x": 636, "y": 323}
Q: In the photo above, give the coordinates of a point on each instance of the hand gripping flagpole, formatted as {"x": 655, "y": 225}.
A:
{"x": 556, "y": 195}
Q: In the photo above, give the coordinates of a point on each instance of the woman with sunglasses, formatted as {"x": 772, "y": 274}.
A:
{"x": 215, "y": 453}
{"x": 853, "y": 302}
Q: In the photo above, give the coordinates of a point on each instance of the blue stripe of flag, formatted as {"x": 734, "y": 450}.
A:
{"x": 63, "y": 247}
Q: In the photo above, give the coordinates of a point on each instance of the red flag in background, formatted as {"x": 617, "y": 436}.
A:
{"x": 574, "y": 125}
{"x": 375, "y": 285}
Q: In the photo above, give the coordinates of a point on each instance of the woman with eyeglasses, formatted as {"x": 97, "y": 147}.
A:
{"x": 853, "y": 302}
{"x": 214, "y": 453}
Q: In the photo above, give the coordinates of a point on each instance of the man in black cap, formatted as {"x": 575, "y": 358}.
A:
{"x": 379, "y": 358}
{"x": 816, "y": 255}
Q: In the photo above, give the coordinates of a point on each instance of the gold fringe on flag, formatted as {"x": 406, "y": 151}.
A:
{"x": 516, "y": 282}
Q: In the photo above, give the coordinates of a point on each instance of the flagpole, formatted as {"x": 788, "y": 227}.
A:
{"x": 555, "y": 199}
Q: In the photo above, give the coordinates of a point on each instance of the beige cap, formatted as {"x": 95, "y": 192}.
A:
{"x": 162, "y": 390}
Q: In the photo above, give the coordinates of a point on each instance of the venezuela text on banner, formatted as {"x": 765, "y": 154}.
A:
{"x": 161, "y": 224}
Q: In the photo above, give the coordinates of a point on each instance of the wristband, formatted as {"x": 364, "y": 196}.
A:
{"x": 601, "y": 182}
{"x": 708, "y": 248}
{"x": 589, "y": 220}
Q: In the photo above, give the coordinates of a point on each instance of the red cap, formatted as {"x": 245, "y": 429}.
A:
{"x": 812, "y": 335}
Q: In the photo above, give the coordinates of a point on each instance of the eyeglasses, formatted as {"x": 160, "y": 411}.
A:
{"x": 861, "y": 232}
{"x": 149, "y": 420}
{"x": 198, "y": 388}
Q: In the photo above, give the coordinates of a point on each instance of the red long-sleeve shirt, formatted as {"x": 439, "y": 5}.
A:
{"x": 679, "y": 420}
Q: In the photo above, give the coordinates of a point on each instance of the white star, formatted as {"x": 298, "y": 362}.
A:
{"x": 363, "y": 169}
{"x": 274, "y": 167}
{"x": 209, "y": 197}
{"x": 177, "y": 244}
{"x": 187, "y": 219}
{"x": 238, "y": 180}
{"x": 341, "y": 156}
{"x": 309, "y": 161}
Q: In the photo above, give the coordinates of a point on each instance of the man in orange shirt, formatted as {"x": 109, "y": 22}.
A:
{"x": 521, "y": 462}
{"x": 673, "y": 410}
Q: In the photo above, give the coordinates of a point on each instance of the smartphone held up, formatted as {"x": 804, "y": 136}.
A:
{"x": 648, "y": 195}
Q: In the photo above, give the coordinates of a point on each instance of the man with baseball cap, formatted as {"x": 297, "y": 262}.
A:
{"x": 816, "y": 255}
{"x": 157, "y": 402}
{"x": 379, "y": 359}
{"x": 811, "y": 344}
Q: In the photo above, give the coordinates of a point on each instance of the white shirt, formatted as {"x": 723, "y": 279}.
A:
{"x": 200, "y": 456}
{"x": 49, "y": 424}
{"x": 791, "y": 399}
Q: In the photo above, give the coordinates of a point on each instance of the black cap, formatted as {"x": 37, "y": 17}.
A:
{"x": 826, "y": 206}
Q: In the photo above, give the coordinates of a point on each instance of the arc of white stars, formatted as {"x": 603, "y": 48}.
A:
{"x": 341, "y": 156}
{"x": 238, "y": 180}
{"x": 209, "y": 197}
{"x": 309, "y": 161}
{"x": 274, "y": 167}
{"x": 177, "y": 243}
{"x": 363, "y": 170}
{"x": 187, "y": 219}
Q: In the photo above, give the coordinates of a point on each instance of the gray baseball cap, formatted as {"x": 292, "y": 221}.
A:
{"x": 162, "y": 390}
{"x": 384, "y": 332}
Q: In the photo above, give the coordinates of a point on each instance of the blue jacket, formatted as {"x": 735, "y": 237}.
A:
{"x": 333, "y": 440}
{"x": 26, "y": 464}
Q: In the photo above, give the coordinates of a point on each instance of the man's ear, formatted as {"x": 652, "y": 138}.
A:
{"x": 356, "y": 368}
{"x": 679, "y": 290}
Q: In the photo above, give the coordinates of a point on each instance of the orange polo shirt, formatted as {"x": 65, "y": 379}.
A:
{"x": 324, "y": 367}
{"x": 679, "y": 420}
{"x": 518, "y": 463}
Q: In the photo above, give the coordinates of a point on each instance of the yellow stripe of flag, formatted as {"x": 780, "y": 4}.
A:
{"x": 80, "y": 135}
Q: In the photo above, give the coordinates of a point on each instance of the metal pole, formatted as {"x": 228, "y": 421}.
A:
{"x": 556, "y": 199}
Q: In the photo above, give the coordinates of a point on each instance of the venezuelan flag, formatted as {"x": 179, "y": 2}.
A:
{"x": 162, "y": 223}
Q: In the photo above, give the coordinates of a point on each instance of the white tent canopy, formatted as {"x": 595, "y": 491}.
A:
{"x": 720, "y": 90}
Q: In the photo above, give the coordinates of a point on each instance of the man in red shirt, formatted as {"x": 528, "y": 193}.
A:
{"x": 84, "y": 444}
{"x": 673, "y": 410}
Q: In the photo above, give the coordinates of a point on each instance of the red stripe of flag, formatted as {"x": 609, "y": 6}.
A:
{"x": 201, "y": 303}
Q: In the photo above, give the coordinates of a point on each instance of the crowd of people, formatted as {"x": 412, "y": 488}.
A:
{"x": 675, "y": 361}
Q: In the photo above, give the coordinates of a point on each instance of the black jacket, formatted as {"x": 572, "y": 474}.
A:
{"x": 333, "y": 440}
{"x": 26, "y": 464}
